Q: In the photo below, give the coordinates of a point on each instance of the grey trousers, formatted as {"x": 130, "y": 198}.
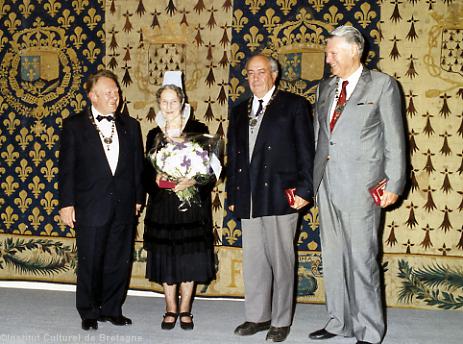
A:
{"x": 350, "y": 243}
{"x": 268, "y": 268}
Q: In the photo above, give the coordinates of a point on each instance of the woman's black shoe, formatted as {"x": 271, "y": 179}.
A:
{"x": 171, "y": 324}
{"x": 186, "y": 325}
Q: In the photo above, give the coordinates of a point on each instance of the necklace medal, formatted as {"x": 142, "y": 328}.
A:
{"x": 107, "y": 140}
{"x": 254, "y": 119}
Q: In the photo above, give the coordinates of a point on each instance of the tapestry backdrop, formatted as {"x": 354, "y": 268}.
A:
{"x": 295, "y": 36}
{"x": 48, "y": 47}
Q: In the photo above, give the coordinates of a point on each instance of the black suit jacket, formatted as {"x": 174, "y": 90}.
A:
{"x": 282, "y": 158}
{"x": 85, "y": 178}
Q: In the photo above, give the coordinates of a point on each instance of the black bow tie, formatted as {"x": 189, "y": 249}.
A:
{"x": 108, "y": 118}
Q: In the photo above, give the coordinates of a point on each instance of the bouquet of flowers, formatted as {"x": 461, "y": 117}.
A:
{"x": 191, "y": 156}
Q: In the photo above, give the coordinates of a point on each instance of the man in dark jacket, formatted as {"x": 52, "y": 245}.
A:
{"x": 100, "y": 166}
{"x": 270, "y": 150}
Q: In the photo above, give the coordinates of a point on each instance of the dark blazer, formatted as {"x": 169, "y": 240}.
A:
{"x": 282, "y": 158}
{"x": 85, "y": 178}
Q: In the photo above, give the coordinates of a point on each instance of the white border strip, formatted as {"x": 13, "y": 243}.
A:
{"x": 72, "y": 288}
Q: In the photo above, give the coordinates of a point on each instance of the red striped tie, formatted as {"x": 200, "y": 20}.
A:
{"x": 339, "y": 105}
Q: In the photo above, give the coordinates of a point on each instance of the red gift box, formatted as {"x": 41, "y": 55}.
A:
{"x": 290, "y": 194}
{"x": 166, "y": 184}
{"x": 377, "y": 191}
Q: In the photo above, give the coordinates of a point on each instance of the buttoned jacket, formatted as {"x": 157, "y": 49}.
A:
{"x": 85, "y": 178}
{"x": 367, "y": 143}
{"x": 282, "y": 157}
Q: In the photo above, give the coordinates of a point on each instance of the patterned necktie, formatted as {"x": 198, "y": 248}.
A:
{"x": 341, "y": 103}
{"x": 99, "y": 118}
{"x": 253, "y": 119}
{"x": 260, "y": 107}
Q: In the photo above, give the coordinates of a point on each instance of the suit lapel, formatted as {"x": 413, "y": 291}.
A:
{"x": 357, "y": 94}
{"x": 90, "y": 131}
{"x": 272, "y": 109}
{"x": 360, "y": 89}
{"x": 122, "y": 136}
{"x": 242, "y": 125}
{"x": 325, "y": 107}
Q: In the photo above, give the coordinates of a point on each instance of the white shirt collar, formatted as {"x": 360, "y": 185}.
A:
{"x": 355, "y": 75}
{"x": 96, "y": 113}
{"x": 267, "y": 96}
{"x": 353, "y": 80}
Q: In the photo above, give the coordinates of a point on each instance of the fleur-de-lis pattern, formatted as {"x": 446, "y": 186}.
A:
{"x": 46, "y": 48}
{"x": 417, "y": 42}
{"x": 278, "y": 31}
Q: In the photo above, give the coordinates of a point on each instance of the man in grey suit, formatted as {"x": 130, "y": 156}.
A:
{"x": 360, "y": 141}
{"x": 270, "y": 149}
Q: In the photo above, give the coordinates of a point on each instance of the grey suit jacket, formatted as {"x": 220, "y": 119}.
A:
{"x": 366, "y": 145}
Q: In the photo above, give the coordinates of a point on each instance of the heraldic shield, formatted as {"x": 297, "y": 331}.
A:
{"x": 39, "y": 64}
{"x": 451, "y": 61}
{"x": 41, "y": 73}
{"x": 299, "y": 47}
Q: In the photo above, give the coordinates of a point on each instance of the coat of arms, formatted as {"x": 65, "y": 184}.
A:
{"x": 299, "y": 47}
{"x": 444, "y": 58}
{"x": 40, "y": 73}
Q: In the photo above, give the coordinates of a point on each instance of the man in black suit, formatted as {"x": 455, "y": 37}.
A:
{"x": 270, "y": 149}
{"x": 100, "y": 166}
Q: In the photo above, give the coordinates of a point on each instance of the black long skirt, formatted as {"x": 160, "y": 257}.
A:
{"x": 179, "y": 243}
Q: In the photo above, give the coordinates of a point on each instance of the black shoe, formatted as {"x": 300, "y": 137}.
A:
{"x": 88, "y": 324}
{"x": 171, "y": 324}
{"x": 118, "y": 321}
{"x": 186, "y": 325}
{"x": 277, "y": 334}
{"x": 248, "y": 328}
{"x": 362, "y": 342}
{"x": 321, "y": 334}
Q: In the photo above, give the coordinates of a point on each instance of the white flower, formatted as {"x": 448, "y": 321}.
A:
{"x": 194, "y": 156}
{"x": 182, "y": 160}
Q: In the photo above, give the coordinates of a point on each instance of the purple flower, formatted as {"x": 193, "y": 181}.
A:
{"x": 186, "y": 162}
{"x": 179, "y": 146}
{"x": 204, "y": 154}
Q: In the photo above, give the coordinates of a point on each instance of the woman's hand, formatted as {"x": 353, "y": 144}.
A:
{"x": 184, "y": 184}
{"x": 159, "y": 177}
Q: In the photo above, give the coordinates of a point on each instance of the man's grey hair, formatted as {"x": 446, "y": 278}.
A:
{"x": 273, "y": 63}
{"x": 351, "y": 35}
